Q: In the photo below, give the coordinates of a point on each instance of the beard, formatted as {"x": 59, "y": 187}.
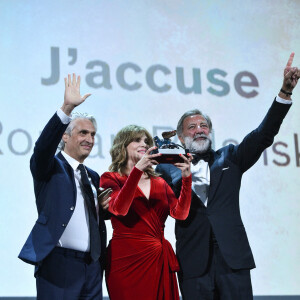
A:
{"x": 200, "y": 146}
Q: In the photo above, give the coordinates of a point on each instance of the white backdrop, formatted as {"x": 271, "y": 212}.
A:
{"x": 147, "y": 62}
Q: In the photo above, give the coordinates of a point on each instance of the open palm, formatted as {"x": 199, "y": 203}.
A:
{"x": 72, "y": 91}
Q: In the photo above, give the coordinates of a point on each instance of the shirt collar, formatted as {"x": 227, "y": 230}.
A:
{"x": 72, "y": 162}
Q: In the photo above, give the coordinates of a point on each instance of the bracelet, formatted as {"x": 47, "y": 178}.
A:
{"x": 286, "y": 93}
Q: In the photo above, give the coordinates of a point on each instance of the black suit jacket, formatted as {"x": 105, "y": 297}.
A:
{"x": 55, "y": 192}
{"x": 222, "y": 214}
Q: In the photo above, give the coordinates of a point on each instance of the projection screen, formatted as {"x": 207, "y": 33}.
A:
{"x": 146, "y": 63}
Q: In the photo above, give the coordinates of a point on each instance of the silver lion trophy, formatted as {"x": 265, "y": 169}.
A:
{"x": 169, "y": 150}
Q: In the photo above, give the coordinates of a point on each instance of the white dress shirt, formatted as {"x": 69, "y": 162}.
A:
{"x": 201, "y": 180}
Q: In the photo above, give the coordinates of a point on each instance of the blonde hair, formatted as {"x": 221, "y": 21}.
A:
{"x": 118, "y": 150}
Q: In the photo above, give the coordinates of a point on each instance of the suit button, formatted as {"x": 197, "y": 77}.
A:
{"x": 64, "y": 225}
{"x": 72, "y": 208}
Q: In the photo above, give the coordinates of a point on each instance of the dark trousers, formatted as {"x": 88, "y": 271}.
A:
{"x": 220, "y": 282}
{"x": 67, "y": 274}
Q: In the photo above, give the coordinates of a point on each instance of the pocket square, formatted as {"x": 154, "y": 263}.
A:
{"x": 226, "y": 168}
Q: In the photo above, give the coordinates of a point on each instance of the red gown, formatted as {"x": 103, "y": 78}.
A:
{"x": 141, "y": 263}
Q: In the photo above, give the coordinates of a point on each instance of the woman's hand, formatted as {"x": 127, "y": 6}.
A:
{"x": 185, "y": 166}
{"x": 148, "y": 160}
{"x": 104, "y": 197}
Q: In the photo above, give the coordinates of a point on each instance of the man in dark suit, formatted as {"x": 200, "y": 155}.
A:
{"x": 212, "y": 245}
{"x": 68, "y": 240}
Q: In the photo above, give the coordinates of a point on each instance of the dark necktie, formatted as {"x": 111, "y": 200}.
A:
{"x": 87, "y": 192}
{"x": 204, "y": 156}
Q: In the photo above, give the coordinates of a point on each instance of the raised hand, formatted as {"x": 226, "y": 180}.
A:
{"x": 148, "y": 160}
{"x": 72, "y": 96}
{"x": 185, "y": 166}
{"x": 290, "y": 75}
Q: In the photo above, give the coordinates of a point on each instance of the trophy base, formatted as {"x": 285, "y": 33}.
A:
{"x": 170, "y": 156}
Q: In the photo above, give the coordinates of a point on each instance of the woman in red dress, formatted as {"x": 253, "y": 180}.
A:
{"x": 141, "y": 263}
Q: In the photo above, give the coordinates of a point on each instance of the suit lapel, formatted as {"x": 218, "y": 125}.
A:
{"x": 215, "y": 175}
{"x": 67, "y": 166}
{"x": 70, "y": 171}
